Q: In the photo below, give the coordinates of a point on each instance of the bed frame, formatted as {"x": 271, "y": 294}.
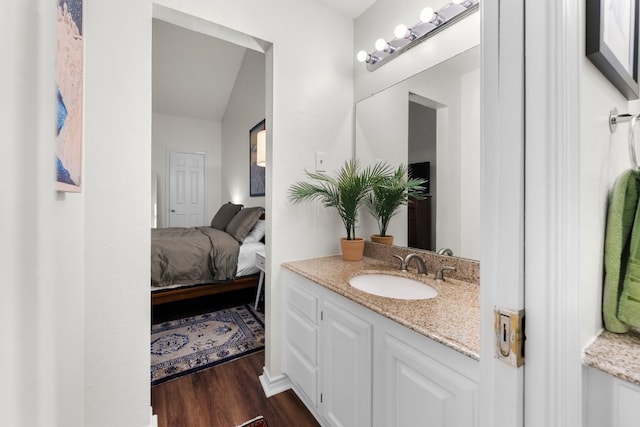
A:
{"x": 195, "y": 291}
{"x": 179, "y": 294}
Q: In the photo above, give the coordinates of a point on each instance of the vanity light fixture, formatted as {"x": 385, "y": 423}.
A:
{"x": 261, "y": 148}
{"x": 431, "y": 21}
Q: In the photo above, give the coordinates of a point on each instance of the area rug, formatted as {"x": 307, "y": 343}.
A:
{"x": 188, "y": 345}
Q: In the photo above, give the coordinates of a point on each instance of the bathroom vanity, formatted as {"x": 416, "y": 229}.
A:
{"x": 357, "y": 359}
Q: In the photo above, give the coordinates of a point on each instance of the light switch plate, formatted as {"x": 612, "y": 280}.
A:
{"x": 321, "y": 160}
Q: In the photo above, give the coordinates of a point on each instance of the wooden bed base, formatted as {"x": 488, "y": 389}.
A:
{"x": 179, "y": 294}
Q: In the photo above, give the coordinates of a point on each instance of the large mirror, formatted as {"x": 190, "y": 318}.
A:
{"x": 430, "y": 122}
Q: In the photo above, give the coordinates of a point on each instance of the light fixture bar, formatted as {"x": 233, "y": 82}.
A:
{"x": 442, "y": 18}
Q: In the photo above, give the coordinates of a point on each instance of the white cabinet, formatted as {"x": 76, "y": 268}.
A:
{"x": 345, "y": 341}
{"x": 353, "y": 367}
{"x": 301, "y": 343}
{"x": 327, "y": 355}
{"x": 418, "y": 389}
{"x": 611, "y": 401}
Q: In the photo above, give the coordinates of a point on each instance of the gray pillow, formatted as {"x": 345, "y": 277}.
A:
{"x": 243, "y": 222}
{"x": 225, "y": 214}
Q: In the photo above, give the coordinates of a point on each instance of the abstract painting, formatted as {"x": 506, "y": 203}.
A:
{"x": 69, "y": 82}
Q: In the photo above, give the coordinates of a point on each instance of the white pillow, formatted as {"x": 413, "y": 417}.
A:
{"x": 257, "y": 232}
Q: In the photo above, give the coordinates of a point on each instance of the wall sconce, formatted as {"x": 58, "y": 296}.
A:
{"x": 261, "y": 148}
{"x": 431, "y": 22}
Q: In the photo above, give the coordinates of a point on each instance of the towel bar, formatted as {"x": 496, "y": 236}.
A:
{"x": 614, "y": 119}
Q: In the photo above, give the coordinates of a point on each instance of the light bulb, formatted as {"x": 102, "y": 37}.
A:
{"x": 427, "y": 15}
{"x": 381, "y": 44}
{"x": 401, "y": 31}
{"x": 362, "y": 56}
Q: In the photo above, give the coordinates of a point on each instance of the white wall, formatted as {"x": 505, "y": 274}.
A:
{"x": 116, "y": 221}
{"x": 246, "y": 109}
{"x": 309, "y": 100}
{"x": 470, "y": 166}
{"x": 41, "y": 250}
{"x": 181, "y": 133}
{"x": 77, "y": 335}
{"x": 603, "y": 157}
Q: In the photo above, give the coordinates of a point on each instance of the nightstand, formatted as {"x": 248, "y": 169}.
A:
{"x": 260, "y": 263}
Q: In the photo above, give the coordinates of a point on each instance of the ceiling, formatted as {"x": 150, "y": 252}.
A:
{"x": 193, "y": 74}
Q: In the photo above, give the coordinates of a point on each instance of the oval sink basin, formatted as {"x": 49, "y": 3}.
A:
{"x": 390, "y": 286}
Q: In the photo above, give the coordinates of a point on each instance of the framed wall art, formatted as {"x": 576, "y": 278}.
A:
{"x": 612, "y": 42}
{"x": 70, "y": 88}
{"x": 256, "y": 168}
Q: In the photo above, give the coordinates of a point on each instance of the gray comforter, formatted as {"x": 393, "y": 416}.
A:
{"x": 187, "y": 256}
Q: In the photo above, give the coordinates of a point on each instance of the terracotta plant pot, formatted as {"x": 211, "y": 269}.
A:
{"x": 352, "y": 250}
{"x": 385, "y": 240}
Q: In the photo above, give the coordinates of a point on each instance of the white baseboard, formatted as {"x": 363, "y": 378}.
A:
{"x": 272, "y": 386}
{"x": 154, "y": 419}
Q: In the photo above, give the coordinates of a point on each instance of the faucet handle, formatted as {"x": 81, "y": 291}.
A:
{"x": 441, "y": 270}
{"x": 403, "y": 263}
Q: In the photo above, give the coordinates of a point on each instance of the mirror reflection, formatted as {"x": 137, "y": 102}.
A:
{"x": 431, "y": 122}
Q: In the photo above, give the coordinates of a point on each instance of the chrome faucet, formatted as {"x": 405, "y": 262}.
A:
{"x": 440, "y": 276}
{"x": 404, "y": 263}
{"x": 445, "y": 251}
{"x": 422, "y": 268}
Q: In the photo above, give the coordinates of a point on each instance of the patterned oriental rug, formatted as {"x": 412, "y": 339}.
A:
{"x": 184, "y": 346}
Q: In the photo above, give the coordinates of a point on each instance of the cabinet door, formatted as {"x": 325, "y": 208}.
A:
{"x": 345, "y": 367}
{"x": 422, "y": 391}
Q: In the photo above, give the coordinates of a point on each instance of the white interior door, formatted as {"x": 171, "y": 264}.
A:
{"x": 502, "y": 206}
{"x": 186, "y": 189}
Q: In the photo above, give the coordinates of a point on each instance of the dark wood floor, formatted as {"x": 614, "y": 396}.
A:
{"x": 225, "y": 395}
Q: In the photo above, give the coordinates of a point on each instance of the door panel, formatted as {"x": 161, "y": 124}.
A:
{"x": 186, "y": 189}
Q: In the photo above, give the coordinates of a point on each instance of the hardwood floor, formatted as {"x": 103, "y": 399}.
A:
{"x": 225, "y": 395}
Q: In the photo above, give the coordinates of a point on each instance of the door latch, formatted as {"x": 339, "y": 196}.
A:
{"x": 509, "y": 336}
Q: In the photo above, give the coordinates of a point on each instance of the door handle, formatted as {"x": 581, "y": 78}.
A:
{"x": 173, "y": 210}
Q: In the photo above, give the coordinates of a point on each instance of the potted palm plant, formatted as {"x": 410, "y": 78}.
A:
{"x": 346, "y": 192}
{"x": 389, "y": 192}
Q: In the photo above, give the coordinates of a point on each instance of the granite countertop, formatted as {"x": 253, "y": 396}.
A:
{"x": 452, "y": 318}
{"x": 616, "y": 354}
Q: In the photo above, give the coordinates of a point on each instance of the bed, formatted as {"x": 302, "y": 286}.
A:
{"x": 198, "y": 261}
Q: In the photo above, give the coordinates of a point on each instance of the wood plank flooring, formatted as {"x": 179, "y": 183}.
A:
{"x": 225, "y": 395}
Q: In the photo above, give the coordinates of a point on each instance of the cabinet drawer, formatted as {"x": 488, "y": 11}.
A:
{"x": 303, "y": 336}
{"x": 304, "y": 303}
{"x": 303, "y": 375}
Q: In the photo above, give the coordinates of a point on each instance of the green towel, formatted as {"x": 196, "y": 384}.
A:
{"x": 620, "y": 274}
{"x": 629, "y": 304}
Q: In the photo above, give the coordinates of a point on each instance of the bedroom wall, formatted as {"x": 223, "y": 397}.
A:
{"x": 181, "y": 133}
{"x": 246, "y": 109}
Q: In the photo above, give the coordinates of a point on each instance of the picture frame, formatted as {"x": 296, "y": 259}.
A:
{"x": 70, "y": 94}
{"x": 612, "y": 42}
{"x": 257, "y": 179}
